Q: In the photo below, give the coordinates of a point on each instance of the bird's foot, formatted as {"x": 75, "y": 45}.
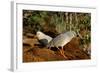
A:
{"x": 64, "y": 56}
{"x": 62, "y": 53}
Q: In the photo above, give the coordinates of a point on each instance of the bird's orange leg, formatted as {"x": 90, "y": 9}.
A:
{"x": 62, "y": 53}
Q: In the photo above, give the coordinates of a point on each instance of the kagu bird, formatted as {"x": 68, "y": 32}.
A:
{"x": 62, "y": 40}
{"x": 43, "y": 38}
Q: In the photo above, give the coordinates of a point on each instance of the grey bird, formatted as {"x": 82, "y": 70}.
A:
{"x": 43, "y": 38}
{"x": 61, "y": 40}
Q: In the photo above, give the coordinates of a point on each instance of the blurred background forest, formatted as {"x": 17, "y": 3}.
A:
{"x": 54, "y": 23}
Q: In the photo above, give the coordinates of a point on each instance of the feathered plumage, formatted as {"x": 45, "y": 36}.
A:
{"x": 43, "y": 38}
{"x": 61, "y": 40}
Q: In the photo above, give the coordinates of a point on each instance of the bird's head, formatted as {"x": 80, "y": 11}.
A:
{"x": 39, "y": 34}
{"x": 76, "y": 34}
{"x": 79, "y": 35}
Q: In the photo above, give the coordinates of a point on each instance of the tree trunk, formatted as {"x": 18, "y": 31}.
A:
{"x": 70, "y": 21}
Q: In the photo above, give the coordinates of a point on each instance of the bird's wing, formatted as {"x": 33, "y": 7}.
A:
{"x": 43, "y": 42}
{"x": 48, "y": 38}
{"x": 61, "y": 39}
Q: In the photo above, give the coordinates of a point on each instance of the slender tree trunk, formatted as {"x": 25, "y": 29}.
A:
{"x": 76, "y": 21}
{"x": 66, "y": 14}
{"x": 70, "y": 22}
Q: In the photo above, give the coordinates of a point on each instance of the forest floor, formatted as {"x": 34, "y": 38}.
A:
{"x": 34, "y": 52}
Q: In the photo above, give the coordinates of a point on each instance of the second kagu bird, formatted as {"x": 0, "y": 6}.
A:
{"x": 61, "y": 40}
{"x": 43, "y": 38}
